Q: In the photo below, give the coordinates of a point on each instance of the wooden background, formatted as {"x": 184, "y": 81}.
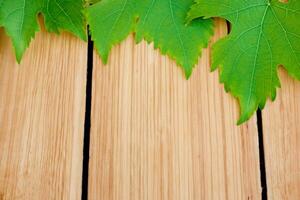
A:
{"x": 153, "y": 135}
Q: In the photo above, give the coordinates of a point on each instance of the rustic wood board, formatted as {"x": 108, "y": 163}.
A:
{"x": 42, "y": 105}
{"x": 155, "y": 135}
{"x": 281, "y": 129}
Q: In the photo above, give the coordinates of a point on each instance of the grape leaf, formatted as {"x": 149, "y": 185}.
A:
{"x": 19, "y": 18}
{"x": 265, "y": 34}
{"x": 158, "y": 21}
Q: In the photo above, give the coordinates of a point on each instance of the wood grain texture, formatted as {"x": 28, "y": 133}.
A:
{"x": 281, "y": 129}
{"x": 42, "y": 105}
{"x": 155, "y": 135}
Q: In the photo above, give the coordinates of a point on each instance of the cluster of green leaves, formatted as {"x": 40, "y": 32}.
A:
{"x": 19, "y": 18}
{"x": 162, "y": 22}
{"x": 264, "y": 35}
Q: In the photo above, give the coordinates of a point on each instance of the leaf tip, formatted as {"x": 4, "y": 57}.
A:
{"x": 188, "y": 72}
{"x": 104, "y": 58}
{"x": 241, "y": 121}
{"x": 19, "y": 55}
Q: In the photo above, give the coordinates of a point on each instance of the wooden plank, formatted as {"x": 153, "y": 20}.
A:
{"x": 42, "y": 105}
{"x": 281, "y": 128}
{"x": 155, "y": 135}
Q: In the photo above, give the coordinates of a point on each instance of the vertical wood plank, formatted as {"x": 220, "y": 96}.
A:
{"x": 155, "y": 135}
{"x": 42, "y": 105}
{"x": 281, "y": 129}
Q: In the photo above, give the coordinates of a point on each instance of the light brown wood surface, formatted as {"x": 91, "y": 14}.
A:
{"x": 42, "y": 104}
{"x": 281, "y": 128}
{"x": 155, "y": 135}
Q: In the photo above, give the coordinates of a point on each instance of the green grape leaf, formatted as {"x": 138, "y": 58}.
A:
{"x": 19, "y": 19}
{"x": 264, "y": 35}
{"x": 159, "y": 21}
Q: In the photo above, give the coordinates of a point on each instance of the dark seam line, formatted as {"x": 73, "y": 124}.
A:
{"x": 263, "y": 177}
{"x": 262, "y": 166}
{"x": 228, "y": 27}
{"x": 87, "y": 122}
